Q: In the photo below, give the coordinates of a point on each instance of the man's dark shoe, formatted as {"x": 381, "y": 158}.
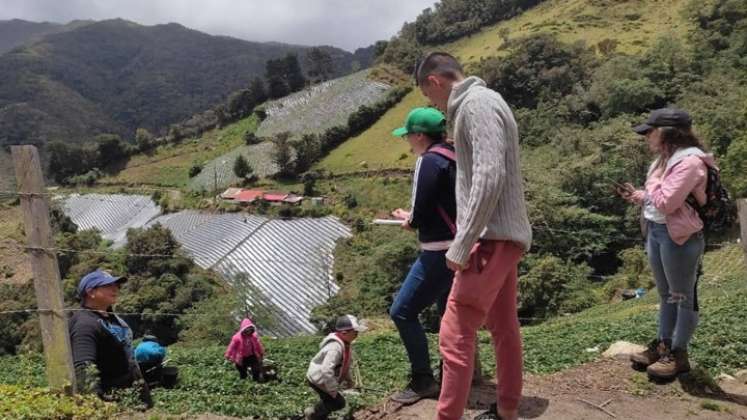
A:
{"x": 670, "y": 365}
{"x": 417, "y": 390}
{"x": 651, "y": 355}
{"x": 491, "y": 414}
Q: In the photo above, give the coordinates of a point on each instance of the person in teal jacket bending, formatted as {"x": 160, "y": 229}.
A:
{"x": 150, "y": 355}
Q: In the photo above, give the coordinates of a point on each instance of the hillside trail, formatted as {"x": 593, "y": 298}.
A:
{"x": 611, "y": 384}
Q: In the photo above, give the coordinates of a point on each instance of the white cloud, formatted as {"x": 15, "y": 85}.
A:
{"x": 343, "y": 23}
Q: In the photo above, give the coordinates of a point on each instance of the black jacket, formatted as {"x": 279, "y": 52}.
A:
{"x": 93, "y": 342}
{"x": 434, "y": 185}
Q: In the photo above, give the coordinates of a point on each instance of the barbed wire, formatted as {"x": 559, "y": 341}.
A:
{"x": 171, "y": 315}
{"x": 137, "y": 255}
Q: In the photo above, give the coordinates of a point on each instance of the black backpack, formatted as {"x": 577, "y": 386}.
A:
{"x": 719, "y": 212}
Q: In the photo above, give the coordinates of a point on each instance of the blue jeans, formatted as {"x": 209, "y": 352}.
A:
{"x": 675, "y": 269}
{"x": 428, "y": 282}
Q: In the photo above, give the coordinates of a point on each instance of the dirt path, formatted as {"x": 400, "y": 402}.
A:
{"x": 624, "y": 394}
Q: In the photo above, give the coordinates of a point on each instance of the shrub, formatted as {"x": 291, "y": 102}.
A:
{"x": 195, "y": 170}
{"x": 551, "y": 286}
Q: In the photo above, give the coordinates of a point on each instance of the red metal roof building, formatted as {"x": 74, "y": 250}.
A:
{"x": 248, "y": 196}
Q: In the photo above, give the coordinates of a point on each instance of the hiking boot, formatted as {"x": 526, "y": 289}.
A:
{"x": 416, "y": 390}
{"x": 670, "y": 365}
{"x": 491, "y": 414}
{"x": 651, "y": 355}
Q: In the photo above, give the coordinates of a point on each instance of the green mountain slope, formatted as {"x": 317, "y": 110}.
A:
{"x": 633, "y": 24}
{"x": 115, "y": 76}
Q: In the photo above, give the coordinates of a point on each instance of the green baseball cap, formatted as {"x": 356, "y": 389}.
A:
{"x": 422, "y": 120}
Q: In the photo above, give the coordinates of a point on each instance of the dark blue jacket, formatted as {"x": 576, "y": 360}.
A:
{"x": 434, "y": 185}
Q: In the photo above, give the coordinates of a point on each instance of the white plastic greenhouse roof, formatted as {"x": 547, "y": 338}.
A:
{"x": 288, "y": 263}
{"x": 111, "y": 214}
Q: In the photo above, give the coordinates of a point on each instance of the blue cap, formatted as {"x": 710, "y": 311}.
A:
{"x": 96, "y": 279}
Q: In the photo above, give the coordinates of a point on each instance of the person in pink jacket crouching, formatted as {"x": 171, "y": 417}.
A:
{"x": 246, "y": 351}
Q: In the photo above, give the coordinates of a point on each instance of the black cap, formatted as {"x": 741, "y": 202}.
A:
{"x": 665, "y": 117}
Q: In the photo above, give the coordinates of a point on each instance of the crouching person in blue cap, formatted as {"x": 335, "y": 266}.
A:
{"x": 102, "y": 340}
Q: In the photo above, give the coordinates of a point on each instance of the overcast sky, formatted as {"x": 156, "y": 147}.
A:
{"x": 348, "y": 24}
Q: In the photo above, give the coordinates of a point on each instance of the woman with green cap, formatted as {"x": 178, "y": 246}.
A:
{"x": 432, "y": 214}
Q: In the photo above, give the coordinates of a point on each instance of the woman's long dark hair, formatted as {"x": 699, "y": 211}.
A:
{"x": 674, "y": 138}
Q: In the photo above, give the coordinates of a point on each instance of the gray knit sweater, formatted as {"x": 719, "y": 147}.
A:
{"x": 489, "y": 189}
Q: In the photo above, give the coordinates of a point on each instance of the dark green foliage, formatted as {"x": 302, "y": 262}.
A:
{"x": 157, "y": 296}
{"x": 309, "y": 184}
{"x": 319, "y": 65}
{"x": 156, "y": 240}
{"x": 350, "y": 201}
{"x": 450, "y": 20}
{"x": 144, "y": 139}
{"x": 211, "y": 321}
{"x": 539, "y": 68}
{"x": 282, "y": 154}
{"x": 110, "y": 149}
{"x": 194, "y": 170}
{"x": 69, "y": 160}
{"x": 284, "y": 76}
{"x": 307, "y": 151}
{"x": 250, "y": 138}
{"x": 161, "y": 281}
{"x": 721, "y": 26}
{"x": 241, "y": 167}
{"x": 550, "y": 285}
{"x": 19, "y": 329}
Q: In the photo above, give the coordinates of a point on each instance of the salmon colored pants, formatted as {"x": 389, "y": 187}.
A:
{"x": 484, "y": 294}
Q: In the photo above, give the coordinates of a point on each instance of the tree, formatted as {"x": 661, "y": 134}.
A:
{"x": 277, "y": 84}
{"x": 144, "y": 139}
{"x": 319, "y": 64}
{"x": 293, "y": 74}
{"x": 110, "y": 148}
{"x": 308, "y": 150}
{"x": 281, "y": 154}
{"x": 258, "y": 90}
{"x": 241, "y": 168}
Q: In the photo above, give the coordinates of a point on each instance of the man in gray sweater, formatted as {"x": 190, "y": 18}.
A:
{"x": 493, "y": 233}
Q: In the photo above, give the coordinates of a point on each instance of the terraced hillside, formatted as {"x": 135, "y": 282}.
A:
{"x": 634, "y": 24}
{"x": 324, "y": 106}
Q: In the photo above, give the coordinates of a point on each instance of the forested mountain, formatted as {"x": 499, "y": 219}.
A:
{"x": 16, "y": 32}
{"x": 116, "y": 76}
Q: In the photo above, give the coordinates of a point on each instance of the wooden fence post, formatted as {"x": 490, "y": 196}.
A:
{"x": 35, "y": 207}
{"x": 742, "y": 205}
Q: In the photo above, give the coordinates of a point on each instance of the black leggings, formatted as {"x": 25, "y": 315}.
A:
{"x": 251, "y": 362}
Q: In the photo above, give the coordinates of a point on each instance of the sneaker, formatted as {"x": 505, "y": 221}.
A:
{"x": 411, "y": 394}
{"x": 670, "y": 365}
{"x": 491, "y": 414}
{"x": 651, "y": 355}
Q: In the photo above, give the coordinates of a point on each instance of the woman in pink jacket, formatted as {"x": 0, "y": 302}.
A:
{"x": 246, "y": 351}
{"x": 674, "y": 239}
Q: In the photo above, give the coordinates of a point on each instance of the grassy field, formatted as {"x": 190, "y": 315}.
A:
{"x": 169, "y": 165}
{"x": 208, "y": 384}
{"x": 375, "y": 148}
{"x": 635, "y": 24}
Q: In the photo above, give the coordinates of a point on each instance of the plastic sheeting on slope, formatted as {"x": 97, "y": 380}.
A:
{"x": 112, "y": 214}
{"x": 284, "y": 267}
